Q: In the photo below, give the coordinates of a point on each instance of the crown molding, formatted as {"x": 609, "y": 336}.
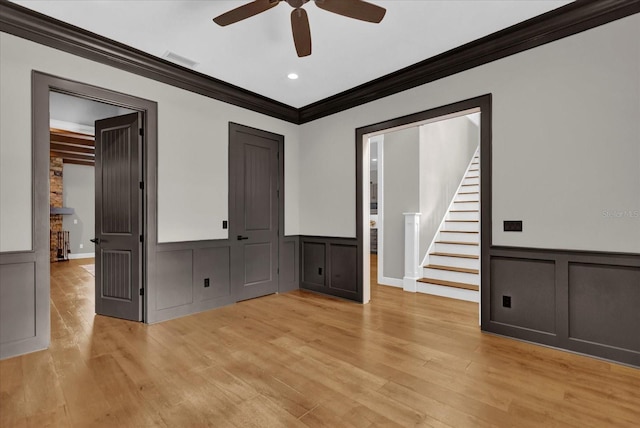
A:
{"x": 34, "y": 26}
{"x": 559, "y": 23}
{"x": 565, "y": 21}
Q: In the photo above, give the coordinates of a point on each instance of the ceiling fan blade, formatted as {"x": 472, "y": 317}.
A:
{"x": 357, "y": 9}
{"x": 245, "y": 11}
{"x": 301, "y": 32}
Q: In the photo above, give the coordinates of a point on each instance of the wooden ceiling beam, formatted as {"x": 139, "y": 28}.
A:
{"x": 72, "y": 148}
{"x": 79, "y": 162}
{"x": 78, "y": 135}
{"x": 68, "y": 139}
{"x": 66, "y": 155}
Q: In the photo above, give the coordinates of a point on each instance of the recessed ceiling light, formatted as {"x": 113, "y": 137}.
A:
{"x": 292, "y": 76}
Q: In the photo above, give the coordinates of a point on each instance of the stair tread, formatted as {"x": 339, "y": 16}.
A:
{"x": 462, "y": 256}
{"x": 462, "y": 221}
{"x": 472, "y": 176}
{"x": 457, "y": 243}
{"x": 452, "y": 268}
{"x": 460, "y": 231}
{"x": 468, "y": 193}
{"x": 470, "y": 185}
{"x": 461, "y": 202}
{"x": 450, "y": 283}
{"x": 462, "y": 211}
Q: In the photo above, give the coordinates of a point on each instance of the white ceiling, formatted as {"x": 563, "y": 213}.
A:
{"x": 258, "y": 53}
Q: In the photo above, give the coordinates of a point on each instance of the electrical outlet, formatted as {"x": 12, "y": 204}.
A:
{"x": 506, "y": 301}
{"x": 513, "y": 225}
{"x": 81, "y": 246}
{"x": 75, "y": 221}
{"x": 206, "y": 282}
{"x": 224, "y": 224}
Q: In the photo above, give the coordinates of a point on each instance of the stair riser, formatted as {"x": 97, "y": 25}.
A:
{"x": 471, "y": 226}
{"x": 466, "y": 205}
{"x": 454, "y": 262}
{"x": 447, "y": 275}
{"x": 471, "y": 181}
{"x": 464, "y": 216}
{"x": 471, "y": 197}
{"x": 457, "y": 249}
{"x": 458, "y": 237}
{"x": 453, "y": 293}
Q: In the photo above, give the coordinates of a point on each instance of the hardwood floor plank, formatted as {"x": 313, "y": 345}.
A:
{"x": 300, "y": 359}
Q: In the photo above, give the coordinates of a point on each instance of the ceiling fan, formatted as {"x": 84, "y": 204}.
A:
{"x": 357, "y": 9}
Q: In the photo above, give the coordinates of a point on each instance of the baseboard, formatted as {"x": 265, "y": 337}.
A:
{"x": 453, "y": 293}
{"x": 82, "y": 256}
{"x": 393, "y": 282}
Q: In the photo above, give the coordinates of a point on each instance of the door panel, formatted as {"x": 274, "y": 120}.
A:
{"x": 118, "y": 216}
{"x": 257, "y": 188}
{"x": 257, "y": 267}
{"x": 253, "y": 211}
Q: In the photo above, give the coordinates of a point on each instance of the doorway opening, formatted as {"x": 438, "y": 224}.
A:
{"x": 370, "y": 142}
{"x": 63, "y": 114}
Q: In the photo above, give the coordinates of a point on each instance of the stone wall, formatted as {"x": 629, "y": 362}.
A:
{"x": 55, "y": 200}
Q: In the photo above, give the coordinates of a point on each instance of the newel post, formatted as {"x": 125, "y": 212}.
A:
{"x": 411, "y": 251}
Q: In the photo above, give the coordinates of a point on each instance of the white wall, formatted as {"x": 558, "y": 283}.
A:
{"x": 446, "y": 148}
{"x": 192, "y": 146}
{"x": 78, "y": 192}
{"x": 401, "y": 194}
{"x": 565, "y": 143}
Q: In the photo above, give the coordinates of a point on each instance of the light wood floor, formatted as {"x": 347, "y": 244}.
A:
{"x": 302, "y": 360}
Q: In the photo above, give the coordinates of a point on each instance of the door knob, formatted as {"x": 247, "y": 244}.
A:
{"x": 240, "y": 237}
{"x": 95, "y": 241}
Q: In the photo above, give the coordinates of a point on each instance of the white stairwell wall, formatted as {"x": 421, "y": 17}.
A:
{"x": 451, "y": 267}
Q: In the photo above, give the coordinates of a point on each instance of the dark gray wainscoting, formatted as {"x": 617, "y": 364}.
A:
{"x": 289, "y": 268}
{"x": 585, "y": 302}
{"x": 24, "y": 313}
{"x": 330, "y": 266}
{"x": 182, "y": 267}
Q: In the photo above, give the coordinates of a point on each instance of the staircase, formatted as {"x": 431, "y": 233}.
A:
{"x": 452, "y": 265}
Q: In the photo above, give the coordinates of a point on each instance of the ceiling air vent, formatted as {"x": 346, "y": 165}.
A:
{"x": 179, "y": 59}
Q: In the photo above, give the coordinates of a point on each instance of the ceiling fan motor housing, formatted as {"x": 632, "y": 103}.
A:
{"x": 296, "y": 3}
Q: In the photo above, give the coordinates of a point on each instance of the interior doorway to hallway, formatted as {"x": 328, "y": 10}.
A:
{"x": 462, "y": 225}
{"x": 49, "y": 93}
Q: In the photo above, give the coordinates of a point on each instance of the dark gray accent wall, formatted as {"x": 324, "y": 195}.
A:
{"x": 585, "y": 302}
{"x": 289, "y": 264}
{"x": 17, "y": 294}
{"x": 24, "y": 302}
{"x": 604, "y": 305}
{"x": 330, "y": 266}
{"x": 182, "y": 268}
{"x": 531, "y": 286}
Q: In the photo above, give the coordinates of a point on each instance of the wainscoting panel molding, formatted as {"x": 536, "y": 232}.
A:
{"x": 330, "y": 266}
{"x": 586, "y": 302}
{"x": 289, "y": 264}
{"x": 23, "y": 327}
{"x": 182, "y": 267}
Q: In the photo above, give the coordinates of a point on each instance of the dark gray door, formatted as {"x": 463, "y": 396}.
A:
{"x": 253, "y": 211}
{"x": 118, "y": 216}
